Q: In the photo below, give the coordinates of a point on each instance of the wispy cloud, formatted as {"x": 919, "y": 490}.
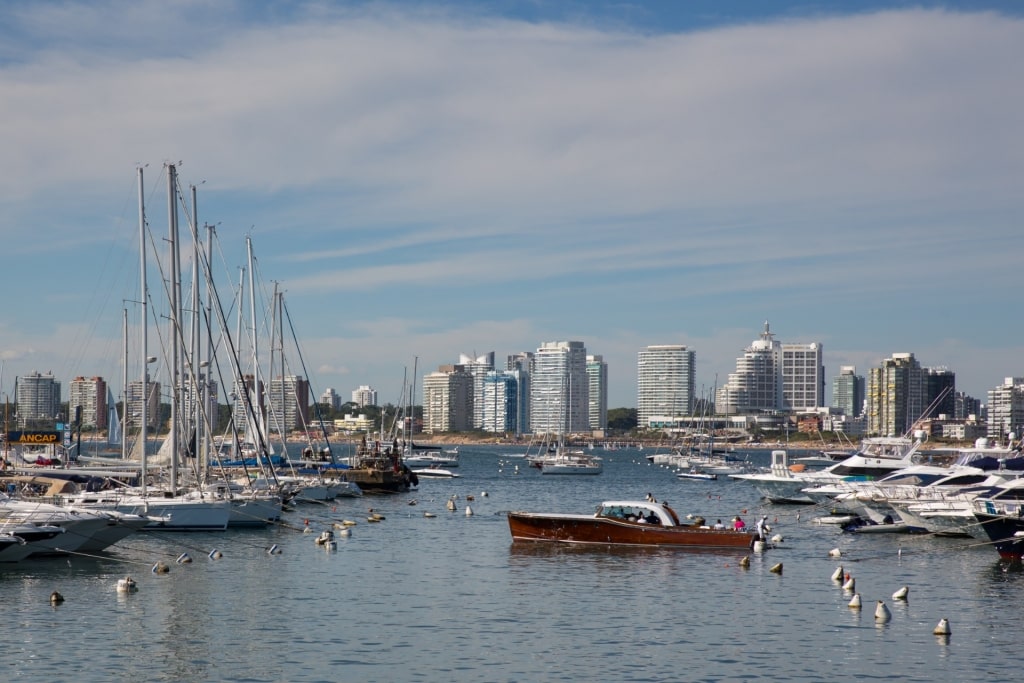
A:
{"x": 406, "y": 153}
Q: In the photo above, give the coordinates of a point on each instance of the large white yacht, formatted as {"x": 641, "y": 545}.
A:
{"x": 877, "y": 457}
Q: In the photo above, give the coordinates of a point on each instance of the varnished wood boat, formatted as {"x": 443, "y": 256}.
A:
{"x": 618, "y": 523}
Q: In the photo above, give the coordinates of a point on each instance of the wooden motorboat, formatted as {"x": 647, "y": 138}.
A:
{"x": 618, "y": 522}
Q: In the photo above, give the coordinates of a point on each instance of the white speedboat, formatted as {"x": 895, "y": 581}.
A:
{"x": 436, "y": 473}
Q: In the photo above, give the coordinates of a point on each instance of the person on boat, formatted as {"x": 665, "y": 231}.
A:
{"x": 650, "y": 498}
{"x": 652, "y": 518}
{"x": 762, "y": 528}
{"x": 719, "y": 525}
{"x": 641, "y": 519}
{"x": 699, "y": 521}
{"x": 738, "y": 524}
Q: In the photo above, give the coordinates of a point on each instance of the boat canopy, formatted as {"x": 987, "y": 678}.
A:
{"x": 640, "y": 508}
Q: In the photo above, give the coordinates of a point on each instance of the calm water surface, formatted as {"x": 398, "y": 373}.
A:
{"x": 451, "y": 598}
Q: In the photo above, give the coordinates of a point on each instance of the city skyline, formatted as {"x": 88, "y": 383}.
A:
{"x": 424, "y": 179}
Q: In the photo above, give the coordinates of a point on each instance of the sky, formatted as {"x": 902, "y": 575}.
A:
{"x": 423, "y": 180}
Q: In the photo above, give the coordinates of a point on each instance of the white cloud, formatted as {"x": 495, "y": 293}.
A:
{"x": 448, "y": 171}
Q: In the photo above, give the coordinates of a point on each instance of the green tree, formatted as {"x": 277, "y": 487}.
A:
{"x": 622, "y": 419}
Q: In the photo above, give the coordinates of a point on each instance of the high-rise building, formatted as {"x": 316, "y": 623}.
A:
{"x": 248, "y": 405}
{"x": 478, "y": 367}
{"x": 91, "y": 395}
{"x": 965, "y": 406}
{"x": 38, "y": 399}
{"x": 134, "y": 401}
{"x": 848, "y": 391}
{"x": 202, "y": 408}
{"x": 756, "y": 385}
{"x": 1006, "y": 409}
{"x": 448, "y": 400}
{"x": 803, "y": 377}
{"x": 597, "y": 378}
{"x": 364, "y": 396}
{"x": 500, "y": 401}
{"x": 521, "y": 365}
{"x": 665, "y": 381}
{"x": 771, "y": 376}
{"x": 559, "y": 390}
{"x": 289, "y": 404}
{"x": 940, "y": 392}
{"x": 895, "y": 396}
{"x": 330, "y": 398}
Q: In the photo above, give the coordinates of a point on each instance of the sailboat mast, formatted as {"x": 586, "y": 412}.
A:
{"x": 143, "y": 329}
{"x": 172, "y": 220}
{"x": 197, "y": 435}
{"x": 124, "y": 386}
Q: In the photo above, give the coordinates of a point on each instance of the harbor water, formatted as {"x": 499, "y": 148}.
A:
{"x": 450, "y": 597}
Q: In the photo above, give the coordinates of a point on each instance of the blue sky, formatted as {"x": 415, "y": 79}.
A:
{"x": 424, "y": 180}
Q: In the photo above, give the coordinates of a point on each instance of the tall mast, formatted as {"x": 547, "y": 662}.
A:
{"x": 145, "y": 322}
{"x": 175, "y": 337}
{"x": 124, "y": 386}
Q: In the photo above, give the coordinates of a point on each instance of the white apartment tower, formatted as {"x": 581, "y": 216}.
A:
{"x": 136, "y": 393}
{"x": 478, "y": 367}
{"x": 597, "y": 378}
{"x": 91, "y": 394}
{"x": 38, "y": 399}
{"x": 559, "y": 389}
{"x": 756, "y": 386}
{"x": 803, "y": 377}
{"x": 447, "y": 400}
{"x": 1006, "y": 409}
{"x": 771, "y": 376}
{"x": 365, "y": 396}
{"x": 665, "y": 381}
{"x": 330, "y": 398}
{"x": 499, "y": 399}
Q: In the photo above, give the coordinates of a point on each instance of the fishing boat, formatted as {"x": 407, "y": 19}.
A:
{"x": 624, "y": 522}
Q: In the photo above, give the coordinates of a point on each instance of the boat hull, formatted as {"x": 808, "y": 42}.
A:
{"x": 1003, "y": 530}
{"x": 587, "y": 529}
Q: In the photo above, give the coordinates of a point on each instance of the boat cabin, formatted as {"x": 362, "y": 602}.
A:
{"x": 634, "y": 510}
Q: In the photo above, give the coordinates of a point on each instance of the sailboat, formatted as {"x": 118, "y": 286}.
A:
{"x": 167, "y": 507}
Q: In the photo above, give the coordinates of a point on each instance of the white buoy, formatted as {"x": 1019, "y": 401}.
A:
{"x": 428, "y": 515}
{"x": 882, "y": 612}
{"x": 901, "y": 594}
{"x": 450, "y": 505}
{"x": 56, "y": 598}
{"x": 777, "y": 538}
{"x": 837, "y": 575}
{"x": 776, "y": 569}
{"x": 184, "y": 558}
{"x": 854, "y": 601}
{"x": 745, "y": 562}
{"x": 850, "y": 584}
{"x": 835, "y": 552}
{"x": 216, "y": 554}
{"x": 483, "y": 494}
{"x": 759, "y": 546}
{"x": 274, "y": 550}
{"x": 942, "y": 628}
{"x": 126, "y": 585}
{"x": 161, "y": 568}
{"x": 469, "y": 511}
